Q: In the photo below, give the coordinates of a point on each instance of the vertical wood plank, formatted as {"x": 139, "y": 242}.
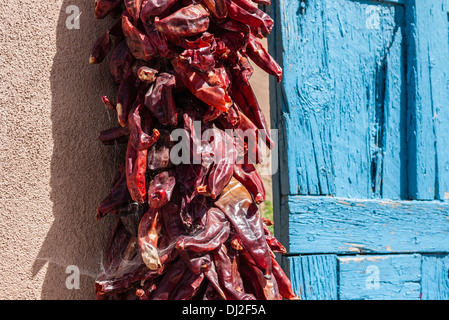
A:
{"x": 435, "y": 277}
{"x": 428, "y": 95}
{"x": 349, "y": 128}
{"x": 386, "y": 277}
{"x": 314, "y": 277}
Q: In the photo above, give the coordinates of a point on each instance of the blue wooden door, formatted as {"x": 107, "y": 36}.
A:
{"x": 363, "y": 119}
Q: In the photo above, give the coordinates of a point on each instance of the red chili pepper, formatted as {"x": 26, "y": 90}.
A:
{"x": 159, "y": 153}
{"x": 203, "y": 40}
{"x": 212, "y": 276}
{"x": 273, "y": 243}
{"x": 148, "y": 236}
{"x": 205, "y": 86}
{"x": 213, "y": 235}
{"x": 159, "y": 99}
{"x": 160, "y": 189}
{"x": 104, "y": 7}
{"x": 139, "y": 138}
{"x": 284, "y": 284}
{"x": 201, "y": 59}
{"x": 247, "y": 175}
{"x": 185, "y": 22}
{"x": 244, "y": 215}
{"x": 101, "y": 48}
{"x": 224, "y": 157}
{"x": 217, "y": 7}
{"x": 140, "y": 44}
{"x": 121, "y": 62}
{"x": 196, "y": 262}
{"x": 169, "y": 281}
{"x": 147, "y": 74}
{"x": 188, "y": 286}
{"x": 136, "y": 163}
{"x": 244, "y": 11}
{"x": 155, "y": 8}
{"x": 108, "y": 104}
{"x": 224, "y": 269}
{"x": 170, "y": 215}
{"x": 126, "y": 95}
{"x": 257, "y": 53}
{"x": 134, "y": 7}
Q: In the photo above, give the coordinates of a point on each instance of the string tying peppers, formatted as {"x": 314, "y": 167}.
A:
{"x": 187, "y": 230}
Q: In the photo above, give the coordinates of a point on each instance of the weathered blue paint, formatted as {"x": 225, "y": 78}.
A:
{"x": 315, "y": 277}
{"x": 384, "y": 277}
{"x": 333, "y": 225}
{"x": 435, "y": 277}
{"x": 363, "y": 121}
{"x": 428, "y": 96}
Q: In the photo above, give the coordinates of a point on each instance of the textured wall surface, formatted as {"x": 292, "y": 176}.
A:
{"x": 53, "y": 170}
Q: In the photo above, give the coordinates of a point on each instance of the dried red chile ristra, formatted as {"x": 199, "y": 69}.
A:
{"x": 187, "y": 230}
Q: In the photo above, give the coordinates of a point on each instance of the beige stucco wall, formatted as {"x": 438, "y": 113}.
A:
{"x": 53, "y": 171}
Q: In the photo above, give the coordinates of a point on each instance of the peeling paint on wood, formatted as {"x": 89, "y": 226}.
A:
{"x": 328, "y": 225}
{"x": 363, "y": 121}
{"x": 435, "y": 277}
{"x": 314, "y": 277}
{"x": 389, "y": 277}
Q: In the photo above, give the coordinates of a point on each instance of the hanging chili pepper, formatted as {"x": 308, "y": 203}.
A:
{"x": 185, "y": 22}
{"x": 217, "y": 7}
{"x": 244, "y": 11}
{"x": 247, "y": 175}
{"x": 189, "y": 229}
{"x": 284, "y": 284}
{"x": 223, "y": 265}
{"x": 212, "y": 236}
{"x": 139, "y": 138}
{"x": 140, "y": 44}
{"x": 121, "y": 61}
{"x": 147, "y": 74}
{"x": 257, "y": 53}
{"x": 205, "y": 86}
{"x": 161, "y": 188}
{"x": 136, "y": 162}
{"x": 116, "y": 135}
{"x": 159, "y": 99}
{"x": 104, "y": 7}
{"x": 134, "y": 7}
{"x": 244, "y": 215}
{"x": 101, "y": 48}
{"x": 126, "y": 95}
{"x": 155, "y": 8}
{"x": 148, "y": 235}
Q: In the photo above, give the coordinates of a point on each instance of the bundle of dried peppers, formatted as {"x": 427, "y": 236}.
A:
{"x": 193, "y": 229}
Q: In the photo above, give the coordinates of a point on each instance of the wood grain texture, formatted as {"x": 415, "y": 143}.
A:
{"x": 435, "y": 277}
{"x": 314, "y": 277}
{"x": 384, "y": 277}
{"x": 428, "y": 96}
{"x": 343, "y": 134}
{"x": 332, "y": 225}
{"x": 363, "y": 113}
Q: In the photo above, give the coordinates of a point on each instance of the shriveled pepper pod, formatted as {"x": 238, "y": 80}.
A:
{"x": 187, "y": 221}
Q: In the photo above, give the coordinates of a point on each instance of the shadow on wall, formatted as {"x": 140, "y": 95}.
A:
{"x": 81, "y": 167}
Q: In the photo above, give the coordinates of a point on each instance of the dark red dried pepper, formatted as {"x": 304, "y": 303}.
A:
{"x": 159, "y": 99}
{"x": 136, "y": 163}
{"x": 185, "y": 22}
{"x": 187, "y": 230}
